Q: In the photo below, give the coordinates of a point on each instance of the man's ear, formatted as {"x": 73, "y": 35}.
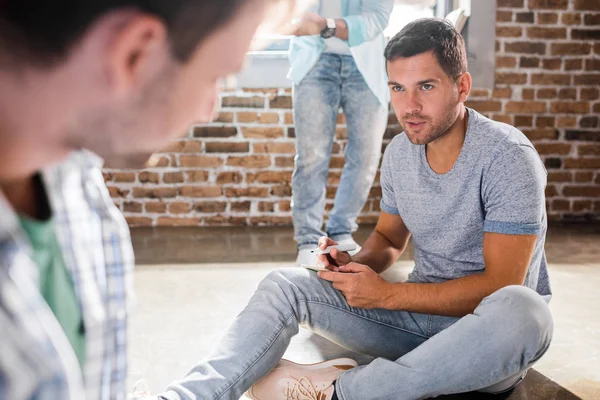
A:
{"x": 136, "y": 48}
{"x": 463, "y": 83}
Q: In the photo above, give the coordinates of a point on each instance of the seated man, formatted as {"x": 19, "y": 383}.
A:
{"x": 473, "y": 314}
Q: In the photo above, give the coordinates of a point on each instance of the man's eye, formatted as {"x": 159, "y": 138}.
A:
{"x": 427, "y": 87}
{"x": 397, "y": 88}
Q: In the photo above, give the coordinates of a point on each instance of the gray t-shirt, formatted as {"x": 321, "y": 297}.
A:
{"x": 496, "y": 185}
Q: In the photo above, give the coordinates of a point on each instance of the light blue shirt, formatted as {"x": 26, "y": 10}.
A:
{"x": 366, "y": 20}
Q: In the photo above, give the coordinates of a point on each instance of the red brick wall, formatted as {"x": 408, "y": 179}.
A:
{"x": 238, "y": 169}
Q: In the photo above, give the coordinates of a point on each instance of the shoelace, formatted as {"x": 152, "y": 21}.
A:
{"x": 303, "y": 389}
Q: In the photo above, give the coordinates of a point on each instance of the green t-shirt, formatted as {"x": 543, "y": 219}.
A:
{"x": 56, "y": 285}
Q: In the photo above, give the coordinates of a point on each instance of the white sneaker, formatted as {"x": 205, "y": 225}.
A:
{"x": 291, "y": 381}
{"x": 353, "y": 242}
{"x": 306, "y": 257}
{"x": 140, "y": 392}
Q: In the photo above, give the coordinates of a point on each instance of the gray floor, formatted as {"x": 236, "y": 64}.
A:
{"x": 191, "y": 283}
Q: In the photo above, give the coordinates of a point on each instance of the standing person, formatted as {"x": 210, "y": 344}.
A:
{"x": 119, "y": 78}
{"x": 336, "y": 60}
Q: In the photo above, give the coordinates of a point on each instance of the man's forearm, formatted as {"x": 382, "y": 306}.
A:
{"x": 456, "y": 298}
{"x": 378, "y": 252}
{"x": 341, "y": 29}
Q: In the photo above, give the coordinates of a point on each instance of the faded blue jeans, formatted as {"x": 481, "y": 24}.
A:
{"x": 333, "y": 82}
{"x": 417, "y": 355}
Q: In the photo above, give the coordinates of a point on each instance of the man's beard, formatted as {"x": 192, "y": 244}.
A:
{"x": 436, "y": 131}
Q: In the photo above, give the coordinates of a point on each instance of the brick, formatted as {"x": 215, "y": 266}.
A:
{"x": 179, "y": 207}
{"x": 240, "y": 206}
{"x": 591, "y": 19}
{"x": 506, "y": 118}
{"x": 509, "y": 31}
{"x": 170, "y": 221}
{"x": 548, "y": 4}
{"x": 230, "y": 177}
{"x": 525, "y": 106}
{"x": 125, "y": 177}
{"x": 597, "y": 203}
{"x": 525, "y": 47}
{"x": 592, "y": 5}
{"x": 247, "y": 192}
{"x": 268, "y": 118}
{"x": 223, "y": 220}
{"x": 587, "y": 79}
{"x": 173, "y": 177}
{"x": 566, "y": 121}
{"x": 249, "y": 161}
{"x": 581, "y": 191}
{"x": 546, "y": 93}
{"x": 571, "y": 48}
{"x": 592, "y": 65}
{"x": 107, "y": 176}
{"x": 337, "y": 162}
{"x": 224, "y": 117}
{"x": 529, "y": 62}
{"x": 148, "y": 177}
{"x": 582, "y": 163}
{"x": 271, "y": 91}
{"x": 341, "y": 119}
{"x": 551, "y": 79}
{"x": 341, "y": 133}
{"x": 274, "y": 147}
{"x": 196, "y": 176}
{"x": 270, "y": 221}
{"x": 510, "y": 78}
{"x": 561, "y": 205}
{"x": 200, "y": 161}
{"x": 157, "y": 161}
{"x": 575, "y": 107}
{"x": 284, "y": 206}
{"x": 547, "y": 33}
{"x": 281, "y": 191}
{"x": 588, "y": 122}
{"x": 210, "y": 207}
{"x": 597, "y": 48}
{"x": 154, "y": 193}
{"x": 571, "y": 19}
{"x": 559, "y": 176}
{"x": 545, "y": 122}
{"x": 138, "y": 221}
{"x": 547, "y": 19}
{"x": 597, "y": 108}
{"x": 588, "y": 150}
{"x": 553, "y": 148}
{"x": 589, "y": 94}
{"x": 525, "y": 17}
{"x": 291, "y": 132}
{"x": 585, "y": 34}
{"x": 484, "y": 105}
{"x": 551, "y": 63}
{"x": 586, "y": 136}
{"x": 266, "y": 206}
{"x": 245, "y": 116}
{"x": 288, "y": 118}
{"x": 502, "y": 93}
{"x": 227, "y": 147}
{"x": 132, "y": 206}
{"x": 528, "y": 94}
{"x": 582, "y": 205}
{"x": 553, "y": 163}
{"x": 504, "y": 16}
{"x": 200, "y": 191}
{"x": 541, "y": 134}
{"x": 214, "y": 131}
{"x": 284, "y": 162}
{"x": 510, "y": 3}
{"x": 269, "y": 177}
{"x": 158, "y": 207}
{"x": 243, "y": 102}
{"x": 184, "y": 146}
{"x": 567, "y": 94}
{"x": 573, "y": 64}
{"x": 523, "y": 120}
{"x": 551, "y": 191}
{"x": 582, "y": 177}
{"x": 281, "y": 102}
{"x": 262, "y": 132}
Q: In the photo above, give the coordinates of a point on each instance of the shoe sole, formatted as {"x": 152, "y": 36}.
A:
{"x": 340, "y": 363}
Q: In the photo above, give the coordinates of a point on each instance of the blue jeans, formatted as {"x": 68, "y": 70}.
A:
{"x": 417, "y": 355}
{"x": 333, "y": 82}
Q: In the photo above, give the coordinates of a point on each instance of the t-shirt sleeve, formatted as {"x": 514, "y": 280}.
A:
{"x": 513, "y": 192}
{"x": 388, "y": 199}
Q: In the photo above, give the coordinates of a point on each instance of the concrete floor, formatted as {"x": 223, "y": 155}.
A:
{"x": 191, "y": 283}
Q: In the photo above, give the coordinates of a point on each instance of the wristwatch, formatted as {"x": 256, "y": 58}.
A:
{"x": 329, "y": 30}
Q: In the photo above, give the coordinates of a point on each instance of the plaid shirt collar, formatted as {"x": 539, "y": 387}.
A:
{"x": 36, "y": 359}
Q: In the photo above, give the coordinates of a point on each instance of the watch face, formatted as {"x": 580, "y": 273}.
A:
{"x": 327, "y": 33}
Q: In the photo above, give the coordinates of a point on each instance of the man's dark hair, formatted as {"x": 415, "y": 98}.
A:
{"x": 431, "y": 34}
{"x": 43, "y": 31}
